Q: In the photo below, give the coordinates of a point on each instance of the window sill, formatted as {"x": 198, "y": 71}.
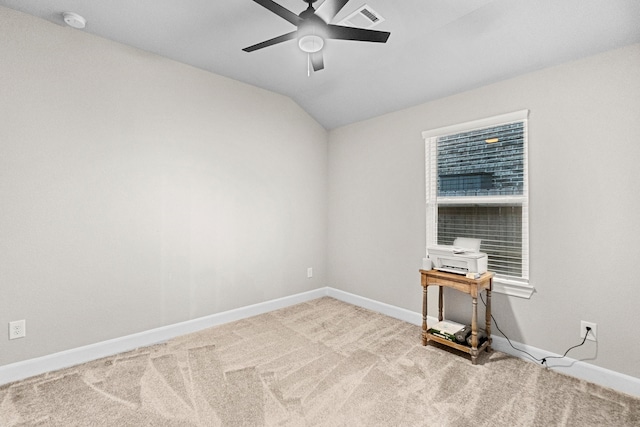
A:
{"x": 513, "y": 288}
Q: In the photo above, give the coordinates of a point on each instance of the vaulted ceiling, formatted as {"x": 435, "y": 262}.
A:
{"x": 436, "y": 48}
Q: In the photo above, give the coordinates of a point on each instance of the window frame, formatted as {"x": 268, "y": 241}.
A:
{"x": 519, "y": 287}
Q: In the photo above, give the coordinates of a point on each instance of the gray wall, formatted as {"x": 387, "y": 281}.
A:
{"x": 584, "y": 147}
{"x": 137, "y": 192}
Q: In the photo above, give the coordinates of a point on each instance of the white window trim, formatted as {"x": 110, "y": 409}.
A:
{"x": 508, "y": 286}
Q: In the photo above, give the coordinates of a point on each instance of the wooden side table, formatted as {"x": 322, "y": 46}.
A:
{"x": 468, "y": 286}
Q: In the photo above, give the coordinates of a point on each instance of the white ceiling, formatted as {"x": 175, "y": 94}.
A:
{"x": 436, "y": 48}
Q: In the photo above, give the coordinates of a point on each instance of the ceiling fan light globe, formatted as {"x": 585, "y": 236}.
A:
{"x": 311, "y": 43}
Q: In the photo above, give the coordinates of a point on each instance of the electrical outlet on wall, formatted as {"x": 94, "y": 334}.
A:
{"x": 17, "y": 329}
{"x": 592, "y": 334}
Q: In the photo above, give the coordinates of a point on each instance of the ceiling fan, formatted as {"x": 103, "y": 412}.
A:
{"x": 313, "y": 30}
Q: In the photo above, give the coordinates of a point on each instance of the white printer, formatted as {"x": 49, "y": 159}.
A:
{"x": 464, "y": 257}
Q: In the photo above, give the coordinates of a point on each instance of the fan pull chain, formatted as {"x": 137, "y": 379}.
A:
{"x": 308, "y": 65}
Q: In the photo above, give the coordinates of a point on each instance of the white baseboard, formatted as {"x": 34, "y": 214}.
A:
{"x": 28, "y": 368}
{"x": 64, "y": 359}
{"x": 573, "y": 367}
{"x": 377, "y": 306}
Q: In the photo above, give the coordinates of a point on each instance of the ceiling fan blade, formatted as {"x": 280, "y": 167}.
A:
{"x": 280, "y": 11}
{"x": 358, "y": 34}
{"x": 271, "y": 42}
{"x": 317, "y": 61}
{"x": 330, "y": 8}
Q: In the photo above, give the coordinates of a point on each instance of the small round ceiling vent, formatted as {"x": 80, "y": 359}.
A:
{"x": 74, "y": 20}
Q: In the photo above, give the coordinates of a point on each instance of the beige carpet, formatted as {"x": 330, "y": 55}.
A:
{"x": 321, "y": 363}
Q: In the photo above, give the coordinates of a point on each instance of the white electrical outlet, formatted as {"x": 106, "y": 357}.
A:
{"x": 17, "y": 329}
{"x": 593, "y": 333}
{"x": 309, "y": 273}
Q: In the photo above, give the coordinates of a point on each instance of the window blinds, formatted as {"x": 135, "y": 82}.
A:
{"x": 478, "y": 189}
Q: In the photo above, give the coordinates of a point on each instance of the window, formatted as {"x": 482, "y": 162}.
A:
{"x": 477, "y": 187}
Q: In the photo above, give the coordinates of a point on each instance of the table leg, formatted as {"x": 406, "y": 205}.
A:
{"x": 474, "y": 331}
{"x": 424, "y": 315}
{"x": 440, "y": 303}
{"x": 488, "y": 317}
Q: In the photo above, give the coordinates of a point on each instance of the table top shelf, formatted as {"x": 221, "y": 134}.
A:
{"x": 457, "y": 281}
